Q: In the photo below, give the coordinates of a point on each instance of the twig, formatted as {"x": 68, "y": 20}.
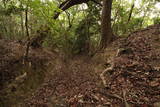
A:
{"x": 124, "y": 98}
{"x": 111, "y": 95}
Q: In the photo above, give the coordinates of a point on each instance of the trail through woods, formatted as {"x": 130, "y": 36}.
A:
{"x": 126, "y": 74}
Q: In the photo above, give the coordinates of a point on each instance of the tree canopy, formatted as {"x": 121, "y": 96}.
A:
{"x": 80, "y": 21}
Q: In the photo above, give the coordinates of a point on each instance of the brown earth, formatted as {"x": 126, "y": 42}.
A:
{"x": 126, "y": 74}
{"x": 133, "y": 78}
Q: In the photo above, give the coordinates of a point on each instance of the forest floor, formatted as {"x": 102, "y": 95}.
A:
{"x": 126, "y": 74}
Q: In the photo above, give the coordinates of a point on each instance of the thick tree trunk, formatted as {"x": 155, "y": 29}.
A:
{"x": 67, "y": 4}
{"x": 106, "y": 29}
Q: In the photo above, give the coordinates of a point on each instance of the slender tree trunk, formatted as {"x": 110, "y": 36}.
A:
{"x": 26, "y": 22}
{"x": 22, "y": 24}
{"x": 129, "y": 17}
{"x": 11, "y": 28}
{"x": 106, "y": 29}
{"x": 130, "y": 14}
{"x": 141, "y": 24}
{"x": 27, "y": 32}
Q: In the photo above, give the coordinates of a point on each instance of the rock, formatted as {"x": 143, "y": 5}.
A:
{"x": 122, "y": 51}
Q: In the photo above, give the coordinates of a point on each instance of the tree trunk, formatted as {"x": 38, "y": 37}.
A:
{"x": 130, "y": 14}
{"x": 22, "y": 24}
{"x": 106, "y": 30}
{"x": 67, "y": 4}
{"x": 26, "y": 22}
{"x": 27, "y": 32}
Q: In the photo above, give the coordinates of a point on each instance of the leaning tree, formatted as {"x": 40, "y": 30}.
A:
{"x": 106, "y": 30}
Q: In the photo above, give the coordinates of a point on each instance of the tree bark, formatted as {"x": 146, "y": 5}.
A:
{"x": 106, "y": 30}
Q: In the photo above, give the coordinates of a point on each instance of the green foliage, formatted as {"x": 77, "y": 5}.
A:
{"x": 79, "y": 28}
{"x": 156, "y": 20}
{"x": 142, "y": 15}
{"x": 82, "y": 37}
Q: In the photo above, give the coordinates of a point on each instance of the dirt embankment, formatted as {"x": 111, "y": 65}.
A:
{"x": 134, "y": 74}
{"x": 19, "y": 77}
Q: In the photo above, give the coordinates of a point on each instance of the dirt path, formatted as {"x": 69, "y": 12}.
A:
{"x": 72, "y": 78}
